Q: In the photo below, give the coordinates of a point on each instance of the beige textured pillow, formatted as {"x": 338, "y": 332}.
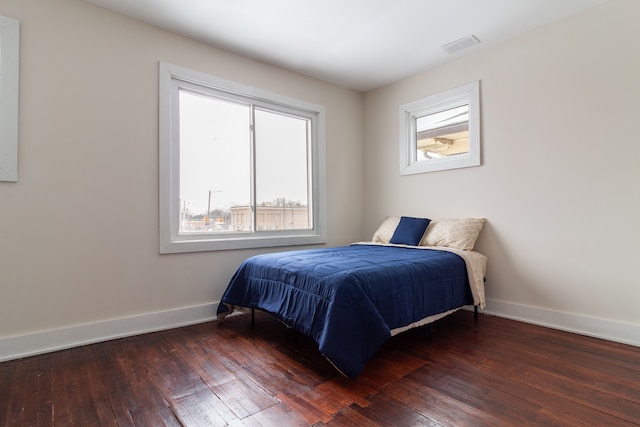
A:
{"x": 453, "y": 233}
{"x": 386, "y": 230}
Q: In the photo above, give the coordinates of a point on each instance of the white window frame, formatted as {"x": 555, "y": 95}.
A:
{"x": 9, "y": 76}
{"x": 409, "y": 112}
{"x": 171, "y": 78}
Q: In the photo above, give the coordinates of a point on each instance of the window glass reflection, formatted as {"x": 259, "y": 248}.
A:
{"x": 444, "y": 133}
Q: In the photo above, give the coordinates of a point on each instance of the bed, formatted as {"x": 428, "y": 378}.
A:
{"x": 351, "y": 299}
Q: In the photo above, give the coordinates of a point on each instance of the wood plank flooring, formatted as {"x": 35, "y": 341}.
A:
{"x": 495, "y": 372}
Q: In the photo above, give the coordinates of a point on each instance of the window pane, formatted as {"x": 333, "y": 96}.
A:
{"x": 445, "y": 133}
{"x": 215, "y": 169}
{"x": 282, "y": 174}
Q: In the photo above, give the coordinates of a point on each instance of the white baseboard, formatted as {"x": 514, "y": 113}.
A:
{"x": 58, "y": 339}
{"x": 612, "y": 330}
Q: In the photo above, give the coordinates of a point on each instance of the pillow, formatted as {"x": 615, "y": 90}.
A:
{"x": 409, "y": 231}
{"x": 384, "y": 233}
{"x": 453, "y": 233}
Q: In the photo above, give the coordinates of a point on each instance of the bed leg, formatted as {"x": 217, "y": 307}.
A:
{"x": 475, "y": 313}
{"x": 431, "y": 329}
{"x": 253, "y": 317}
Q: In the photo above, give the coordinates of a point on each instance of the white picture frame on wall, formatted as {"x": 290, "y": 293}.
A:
{"x": 9, "y": 76}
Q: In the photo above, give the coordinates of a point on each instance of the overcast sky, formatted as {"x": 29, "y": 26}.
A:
{"x": 215, "y": 153}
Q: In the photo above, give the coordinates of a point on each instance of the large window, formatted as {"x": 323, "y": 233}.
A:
{"x": 9, "y": 76}
{"x": 239, "y": 167}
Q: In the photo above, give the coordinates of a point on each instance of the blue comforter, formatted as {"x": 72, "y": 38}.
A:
{"x": 349, "y": 298}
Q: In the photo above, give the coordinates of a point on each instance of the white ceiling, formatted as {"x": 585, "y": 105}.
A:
{"x": 360, "y": 44}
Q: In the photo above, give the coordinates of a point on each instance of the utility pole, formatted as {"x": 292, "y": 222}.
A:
{"x": 209, "y": 205}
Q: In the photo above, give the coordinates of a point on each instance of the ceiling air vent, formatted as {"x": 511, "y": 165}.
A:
{"x": 460, "y": 44}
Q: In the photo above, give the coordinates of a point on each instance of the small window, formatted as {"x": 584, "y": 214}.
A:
{"x": 441, "y": 131}
{"x": 240, "y": 167}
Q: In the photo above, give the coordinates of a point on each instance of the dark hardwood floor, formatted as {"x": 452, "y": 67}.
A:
{"x": 491, "y": 373}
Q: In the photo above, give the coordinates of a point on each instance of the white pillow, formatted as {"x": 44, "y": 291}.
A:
{"x": 384, "y": 233}
{"x": 453, "y": 233}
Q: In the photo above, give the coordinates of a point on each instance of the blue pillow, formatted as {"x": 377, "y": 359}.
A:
{"x": 410, "y": 231}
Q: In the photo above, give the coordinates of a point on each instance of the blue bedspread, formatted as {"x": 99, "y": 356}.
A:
{"x": 349, "y": 298}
